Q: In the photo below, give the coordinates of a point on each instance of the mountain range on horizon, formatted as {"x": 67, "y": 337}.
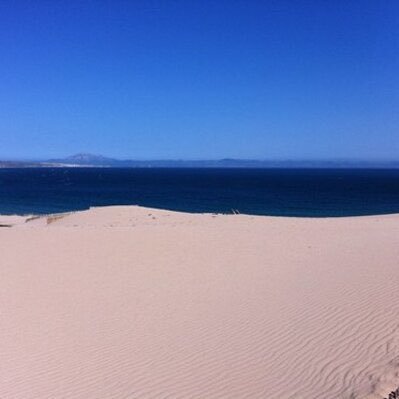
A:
{"x": 95, "y": 160}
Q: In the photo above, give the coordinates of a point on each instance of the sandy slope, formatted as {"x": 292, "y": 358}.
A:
{"x": 128, "y": 302}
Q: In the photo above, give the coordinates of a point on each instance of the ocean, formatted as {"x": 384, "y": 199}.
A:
{"x": 277, "y": 192}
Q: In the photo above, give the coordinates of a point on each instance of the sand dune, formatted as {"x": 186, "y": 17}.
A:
{"x": 129, "y": 302}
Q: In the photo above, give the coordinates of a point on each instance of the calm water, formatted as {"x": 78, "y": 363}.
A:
{"x": 299, "y": 192}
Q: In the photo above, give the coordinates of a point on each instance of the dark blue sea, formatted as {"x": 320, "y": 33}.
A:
{"x": 280, "y": 192}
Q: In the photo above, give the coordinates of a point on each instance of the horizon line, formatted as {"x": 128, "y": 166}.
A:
{"x": 224, "y": 158}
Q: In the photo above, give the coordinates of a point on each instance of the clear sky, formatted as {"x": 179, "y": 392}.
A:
{"x": 200, "y": 79}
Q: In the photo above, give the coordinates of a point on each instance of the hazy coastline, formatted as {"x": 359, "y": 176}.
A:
{"x": 93, "y": 161}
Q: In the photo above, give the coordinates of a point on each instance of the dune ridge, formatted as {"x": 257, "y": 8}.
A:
{"x": 131, "y": 302}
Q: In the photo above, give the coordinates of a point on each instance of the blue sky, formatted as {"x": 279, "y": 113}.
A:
{"x": 200, "y": 79}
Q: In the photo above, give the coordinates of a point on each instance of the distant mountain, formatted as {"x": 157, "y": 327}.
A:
{"x": 92, "y": 160}
{"x": 85, "y": 159}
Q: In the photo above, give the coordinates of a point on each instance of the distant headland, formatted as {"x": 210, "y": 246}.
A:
{"x": 93, "y": 160}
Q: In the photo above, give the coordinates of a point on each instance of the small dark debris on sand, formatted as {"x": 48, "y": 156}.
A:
{"x": 393, "y": 394}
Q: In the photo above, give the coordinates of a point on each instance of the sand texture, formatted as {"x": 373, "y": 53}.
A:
{"x": 129, "y": 302}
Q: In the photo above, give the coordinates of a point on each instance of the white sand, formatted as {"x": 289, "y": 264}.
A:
{"x": 128, "y": 302}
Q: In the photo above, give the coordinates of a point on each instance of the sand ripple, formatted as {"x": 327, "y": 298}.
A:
{"x": 127, "y": 302}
